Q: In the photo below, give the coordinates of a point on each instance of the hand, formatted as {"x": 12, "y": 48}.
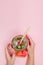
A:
{"x": 30, "y": 59}
{"x": 10, "y": 60}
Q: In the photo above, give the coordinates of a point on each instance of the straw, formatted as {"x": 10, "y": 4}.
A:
{"x": 24, "y": 35}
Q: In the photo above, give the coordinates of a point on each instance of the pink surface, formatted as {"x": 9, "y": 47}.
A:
{"x": 15, "y": 17}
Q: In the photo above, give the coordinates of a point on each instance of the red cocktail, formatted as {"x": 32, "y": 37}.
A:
{"x": 20, "y": 49}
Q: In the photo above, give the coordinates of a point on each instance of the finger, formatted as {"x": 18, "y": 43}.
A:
{"x": 31, "y": 41}
{"x": 28, "y": 47}
{"x": 11, "y": 50}
{"x": 13, "y": 59}
{"x": 13, "y": 56}
{"x": 7, "y": 55}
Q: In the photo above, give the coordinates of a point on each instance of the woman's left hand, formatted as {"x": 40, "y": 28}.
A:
{"x": 10, "y": 60}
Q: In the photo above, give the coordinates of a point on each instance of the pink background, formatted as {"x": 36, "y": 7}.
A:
{"x": 15, "y": 17}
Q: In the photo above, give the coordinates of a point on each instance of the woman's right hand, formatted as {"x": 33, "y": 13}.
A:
{"x": 30, "y": 59}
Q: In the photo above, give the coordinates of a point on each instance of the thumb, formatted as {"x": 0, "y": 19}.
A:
{"x": 7, "y": 54}
{"x": 13, "y": 59}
